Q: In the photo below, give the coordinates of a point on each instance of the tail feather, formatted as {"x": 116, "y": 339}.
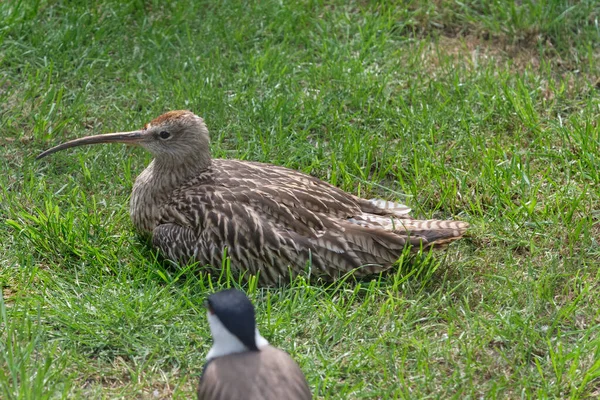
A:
{"x": 430, "y": 232}
{"x": 367, "y": 247}
{"x": 434, "y": 233}
{"x": 390, "y": 207}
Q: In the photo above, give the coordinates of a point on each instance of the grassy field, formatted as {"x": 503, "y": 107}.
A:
{"x": 481, "y": 111}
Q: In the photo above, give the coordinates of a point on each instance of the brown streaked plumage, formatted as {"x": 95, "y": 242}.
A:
{"x": 271, "y": 219}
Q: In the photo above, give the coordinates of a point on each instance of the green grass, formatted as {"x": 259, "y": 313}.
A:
{"x": 485, "y": 111}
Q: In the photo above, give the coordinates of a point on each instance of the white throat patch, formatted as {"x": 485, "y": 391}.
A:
{"x": 224, "y": 342}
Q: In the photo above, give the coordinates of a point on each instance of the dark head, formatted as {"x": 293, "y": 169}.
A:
{"x": 232, "y": 323}
{"x": 176, "y": 136}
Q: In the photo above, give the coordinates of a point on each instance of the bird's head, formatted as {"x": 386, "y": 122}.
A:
{"x": 232, "y": 324}
{"x": 174, "y": 136}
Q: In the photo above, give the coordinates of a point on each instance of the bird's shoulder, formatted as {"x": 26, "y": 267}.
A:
{"x": 250, "y": 182}
{"x": 267, "y": 374}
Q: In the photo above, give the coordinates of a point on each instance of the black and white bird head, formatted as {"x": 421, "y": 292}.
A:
{"x": 232, "y": 324}
{"x": 241, "y": 364}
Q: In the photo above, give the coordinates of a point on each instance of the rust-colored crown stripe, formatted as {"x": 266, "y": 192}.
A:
{"x": 169, "y": 116}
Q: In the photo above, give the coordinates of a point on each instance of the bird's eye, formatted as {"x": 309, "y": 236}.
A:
{"x": 164, "y": 135}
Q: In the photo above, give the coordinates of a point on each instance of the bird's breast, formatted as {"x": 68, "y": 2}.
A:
{"x": 145, "y": 201}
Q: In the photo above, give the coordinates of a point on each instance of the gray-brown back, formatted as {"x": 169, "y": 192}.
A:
{"x": 269, "y": 374}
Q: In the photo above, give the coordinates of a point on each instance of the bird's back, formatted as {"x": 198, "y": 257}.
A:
{"x": 272, "y": 218}
{"x": 269, "y": 374}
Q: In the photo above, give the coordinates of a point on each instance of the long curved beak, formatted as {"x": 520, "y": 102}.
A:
{"x": 133, "y": 137}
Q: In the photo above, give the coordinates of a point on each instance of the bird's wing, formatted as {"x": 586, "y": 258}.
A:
{"x": 312, "y": 192}
{"x": 221, "y": 380}
{"x": 282, "y": 373}
{"x": 270, "y": 229}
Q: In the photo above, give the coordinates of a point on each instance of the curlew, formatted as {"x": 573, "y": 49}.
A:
{"x": 274, "y": 222}
{"x": 241, "y": 364}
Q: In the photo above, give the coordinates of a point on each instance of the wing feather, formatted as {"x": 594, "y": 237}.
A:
{"x": 276, "y": 221}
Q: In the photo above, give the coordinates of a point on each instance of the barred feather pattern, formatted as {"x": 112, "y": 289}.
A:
{"x": 272, "y": 221}
{"x": 277, "y": 222}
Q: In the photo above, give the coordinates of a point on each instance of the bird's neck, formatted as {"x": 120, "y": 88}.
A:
{"x": 225, "y": 343}
{"x": 154, "y": 186}
{"x": 182, "y": 168}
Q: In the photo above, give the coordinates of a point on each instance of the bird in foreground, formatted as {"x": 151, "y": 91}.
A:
{"x": 241, "y": 364}
{"x": 273, "y": 221}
